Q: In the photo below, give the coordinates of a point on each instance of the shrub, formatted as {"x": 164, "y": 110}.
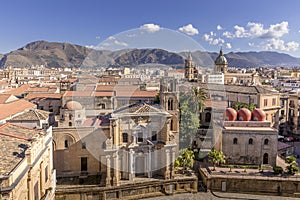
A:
{"x": 277, "y": 170}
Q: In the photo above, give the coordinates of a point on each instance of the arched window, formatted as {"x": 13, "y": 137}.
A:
{"x": 124, "y": 137}
{"x": 266, "y": 159}
{"x": 171, "y": 125}
{"x": 170, "y": 104}
{"x": 66, "y": 144}
{"x": 266, "y": 142}
{"x": 70, "y": 123}
{"x": 235, "y": 140}
{"x": 207, "y": 117}
{"x": 70, "y": 116}
{"x": 83, "y": 145}
{"x": 250, "y": 141}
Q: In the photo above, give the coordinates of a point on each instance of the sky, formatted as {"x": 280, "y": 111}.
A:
{"x": 233, "y": 25}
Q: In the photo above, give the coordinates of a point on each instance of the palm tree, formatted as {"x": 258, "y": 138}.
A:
{"x": 216, "y": 158}
{"x": 201, "y": 98}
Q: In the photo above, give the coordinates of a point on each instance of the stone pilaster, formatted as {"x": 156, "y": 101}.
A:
{"x": 167, "y": 172}
{"x": 108, "y": 170}
{"x": 116, "y": 169}
{"x": 131, "y": 164}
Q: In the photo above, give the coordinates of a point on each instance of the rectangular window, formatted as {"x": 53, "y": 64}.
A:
{"x": 273, "y": 101}
{"x": 154, "y": 136}
{"x": 265, "y": 102}
{"x": 140, "y": 137}
{"x": 84, "y": 164}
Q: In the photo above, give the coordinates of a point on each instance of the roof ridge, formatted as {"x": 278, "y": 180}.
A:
{"x": 15, "y": 136}
{"x": 37, "y": 114}
{"x": 23, "y": 127}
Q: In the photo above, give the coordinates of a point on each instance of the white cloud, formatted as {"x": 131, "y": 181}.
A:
{"x": 189, "y": 30}
{"x": 111, "y": 38}
{"x": 91, "y": 46}
{"x": 277, "y": 44}
{"x": 214, "y": 41}
{"x": 219, "y": 27}
{"x": 151, "y": 28}
{"x": 98, "y": 37}
{"x": 257, "y": 30}
{"x": 112, "y": 41}
{"x": 228, "y": 46}
{"x": 251, "y": 44}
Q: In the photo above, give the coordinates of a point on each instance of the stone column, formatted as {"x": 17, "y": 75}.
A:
{"x": 108, "y": 169}
{"x": 131, "y": 165}
{"x": 149, "y": 164}
{"x": 116, "y": 177}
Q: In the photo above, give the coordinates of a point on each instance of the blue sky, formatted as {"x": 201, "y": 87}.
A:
{"x": 236, "y": 25}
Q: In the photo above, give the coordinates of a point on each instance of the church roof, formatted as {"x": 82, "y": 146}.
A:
{"x": 237, "y": 89}
{"x": 140, "y": 108}
{"x": 221, "y": 59}
{"x": 33, "y": 114}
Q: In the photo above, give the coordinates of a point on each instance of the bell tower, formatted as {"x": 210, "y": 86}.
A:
{"x": 189, "y": 68}
{"x": 169, "y": 100}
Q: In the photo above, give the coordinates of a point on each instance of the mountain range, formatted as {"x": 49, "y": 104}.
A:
{"x": 55, "y": 54}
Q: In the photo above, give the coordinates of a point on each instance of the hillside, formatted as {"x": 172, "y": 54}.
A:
{"x": 55, "y": 54}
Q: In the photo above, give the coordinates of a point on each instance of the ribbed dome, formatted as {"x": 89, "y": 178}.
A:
{"x": 230, "y": 114}
{"x": 258, "y": 115}
{"x": 73, "y": 105}
{"x": 221, "y": 60}
{"x": 244, "y": 114}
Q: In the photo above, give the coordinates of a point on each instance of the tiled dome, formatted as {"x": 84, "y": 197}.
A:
{"x": 258, "y": 115}
{"x": 244, "y": 114}
{"x": 221, "y": 60}
{"x": 73, "y": 105}
{"x": 230, "y": 114}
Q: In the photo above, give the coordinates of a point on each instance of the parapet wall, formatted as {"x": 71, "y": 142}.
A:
{"x": 138, "y": 190}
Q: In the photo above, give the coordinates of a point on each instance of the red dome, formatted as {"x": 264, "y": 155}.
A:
{"x": 244, "y": 114}
{"x": 230, "y": 114}
{"x": 258, "y": 115}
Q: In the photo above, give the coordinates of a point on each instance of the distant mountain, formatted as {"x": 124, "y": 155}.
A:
{"x": 144, "y": 56}
{"x": 55, "y": 54}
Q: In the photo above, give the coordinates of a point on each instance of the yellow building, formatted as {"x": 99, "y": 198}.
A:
{"x": 26, "y": 169}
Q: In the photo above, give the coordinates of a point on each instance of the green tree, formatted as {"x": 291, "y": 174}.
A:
{"x": 216, "y": 158}
{"x": 292, "y": 167}
{"x": 185, "y": 159}
{"x": 157, "y": 98}
{"x": 189, "y": 118}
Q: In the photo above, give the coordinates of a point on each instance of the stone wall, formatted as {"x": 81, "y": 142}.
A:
{"x": 267, "y": 185}
{"x": 138, "y": 190}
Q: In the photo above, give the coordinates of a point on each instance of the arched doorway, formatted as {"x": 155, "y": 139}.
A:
{"x": 266, "y": 159}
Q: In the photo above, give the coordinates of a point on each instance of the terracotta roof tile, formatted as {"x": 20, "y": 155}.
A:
{"x": 43, "y": 96}
{"x": 32, "y": 115}
{"x": 78, "y": 93}
{"x": 18, "y": 91}
{"x": 14, "y": 141}
{"x": 15, "y": 107}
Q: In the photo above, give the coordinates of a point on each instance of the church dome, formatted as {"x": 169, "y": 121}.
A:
{"x": 221, "y": 60}
{"x": 258, "y": 115}
{"x": 230, "y": 114}
{"x": 244, "y": 114}
{"x": 73, "y": 105}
